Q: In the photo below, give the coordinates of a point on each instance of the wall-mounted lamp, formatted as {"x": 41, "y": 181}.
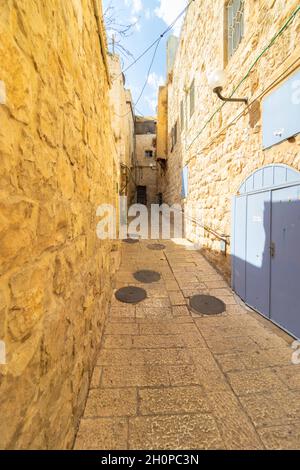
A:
{"x": 216, "y": 81}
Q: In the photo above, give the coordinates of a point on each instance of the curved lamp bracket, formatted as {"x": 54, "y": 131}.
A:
{"x": 218, "y": 91}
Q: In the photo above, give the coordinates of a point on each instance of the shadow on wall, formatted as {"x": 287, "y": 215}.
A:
{"x": 266, "y": 258}
{"x": 221, "y": 261}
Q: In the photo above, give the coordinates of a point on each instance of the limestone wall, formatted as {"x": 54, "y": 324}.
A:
{"x": 162, "y": 123}
{"x": 145, "y": 167}
{"x": 222, "y": 153}
{"x": 123, "y": 125}
{"x": 57, "y": 164}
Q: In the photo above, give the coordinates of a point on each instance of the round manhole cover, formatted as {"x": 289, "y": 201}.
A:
{"x": 156, "y": 246}
{"x": 131, "y": 295}
{"x": 147, "y": 276}
{"x": 207, "y": 305}
{"x": 131, "y": 240}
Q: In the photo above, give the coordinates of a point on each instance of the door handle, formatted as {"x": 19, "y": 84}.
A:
{"x": 272, "y": 250}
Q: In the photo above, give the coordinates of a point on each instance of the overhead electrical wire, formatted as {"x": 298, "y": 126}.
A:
{"x": 155, "y": 43}
{"x": 171, "y": 26}
{"x": 140, "y": 112}
{"x": 145, "y": 84}
{"x": 282, "y": 29}
{"x": 148, "y": 74}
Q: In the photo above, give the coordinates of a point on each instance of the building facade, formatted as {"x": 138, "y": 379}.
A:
{"x": 219, "y": 150}
{"x": 123, "y": 127}
{"x": 59, "y": 162}
{"x": 145, "y": 160}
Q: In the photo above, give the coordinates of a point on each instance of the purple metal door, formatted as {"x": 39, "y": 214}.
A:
{"x": 258, "y": 252}
{"x": 285, "y": 261}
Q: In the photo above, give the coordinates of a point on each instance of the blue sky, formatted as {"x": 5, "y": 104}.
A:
{"x": 150, "y": 17}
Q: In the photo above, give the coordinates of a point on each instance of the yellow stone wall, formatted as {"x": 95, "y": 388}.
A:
{"x": 162, "y": 123}
{"x": 57, "y": 160}
{"x": 123, "y": 125}
{"x": 146, "y": 168}
{"x": 229, "y": 148}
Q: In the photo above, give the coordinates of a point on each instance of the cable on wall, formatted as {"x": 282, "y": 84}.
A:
{"x": 284, "y": 27}
{"x": 236, "y": 118}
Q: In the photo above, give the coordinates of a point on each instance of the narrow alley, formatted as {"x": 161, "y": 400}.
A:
{"x": 167, "y": 378}
{"x": 149, "y": 227}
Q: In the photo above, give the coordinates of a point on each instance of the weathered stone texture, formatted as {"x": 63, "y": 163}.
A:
{"x": 146, "y": 171}
{"x": 162, "y": 123}
{"x": 123, "y": 125}
{"x": 229, "y": 149}
{"x": 189, "y": 381}
{"x": 57, "y": 165}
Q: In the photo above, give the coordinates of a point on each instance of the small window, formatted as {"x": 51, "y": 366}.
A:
{"x": 182, "y": 115}
{"x": 234, "y": 25}
{"x": 175, "y": 133}
{"x": 148, "y": 153}
{"x": 184, "y": 181}
{"x": 174, "y": 136}
{"x": 192, "y": 98}
{"x": 186, "y": 110}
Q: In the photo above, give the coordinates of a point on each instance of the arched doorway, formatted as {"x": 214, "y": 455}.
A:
{"x": 266, "y": 245}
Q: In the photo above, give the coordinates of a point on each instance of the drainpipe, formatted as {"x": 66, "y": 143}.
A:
{"x": 101, "y": 35}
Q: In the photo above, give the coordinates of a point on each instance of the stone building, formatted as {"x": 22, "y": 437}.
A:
{"x": 59, "y": 162}
{"x": 215, "y": 146}
{"x": 69, "y": 142}
{"x": 145, "y": 161}
{"x": 162, "y": 124}
{"x": 123, "y": 126}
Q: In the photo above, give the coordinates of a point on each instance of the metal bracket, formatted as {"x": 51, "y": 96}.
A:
{"x": 218, "y": 92}
{"x": 272, "y": 250}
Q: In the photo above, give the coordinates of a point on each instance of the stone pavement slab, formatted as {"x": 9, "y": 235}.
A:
{"x": 167, "y": 378}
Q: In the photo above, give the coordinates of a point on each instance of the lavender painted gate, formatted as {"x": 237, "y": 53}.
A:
{"x": 265, "y": 245}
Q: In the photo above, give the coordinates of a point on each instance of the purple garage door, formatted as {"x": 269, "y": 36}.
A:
{"x": 257, "y": 252}
{"x": 265, "y": 245}
{"x": 285, "y": 260}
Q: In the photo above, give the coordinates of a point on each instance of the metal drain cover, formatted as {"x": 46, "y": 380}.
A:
{"x": 131, "y": 295}
{"x": 131, "y": 240}
{"x": 207, "y": 305}
{"x": 156, "y": 246}
{"x": 147, "y": 276}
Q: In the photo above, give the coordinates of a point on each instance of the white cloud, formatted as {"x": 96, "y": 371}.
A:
{"x": 135, "y": 5}
{"x": 135, "y": 20}
{"x": 152, "y": 103}
{"x": 155, "y": 81}
{"x": 168, "y": 11}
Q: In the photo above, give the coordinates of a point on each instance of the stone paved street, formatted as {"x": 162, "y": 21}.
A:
{"x": 169, "y": 379}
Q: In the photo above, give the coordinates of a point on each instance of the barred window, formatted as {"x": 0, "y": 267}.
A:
{"x": 192, "y": 98}
{"x": 235, "y": 25}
